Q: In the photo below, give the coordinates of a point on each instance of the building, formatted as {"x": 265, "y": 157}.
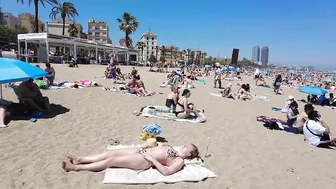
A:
{"x": 150, "y": 40}
{"x": 28, "y": 21}
{"x": 264, "y": 56}
{"x": 55, "y": 27}
{"x": 98, "y": 31}
{"x": 255, "y": 53}
{"x": 10, "y": 21}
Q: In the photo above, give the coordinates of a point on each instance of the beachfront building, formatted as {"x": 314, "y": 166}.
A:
{"x": 150, "y": 40}
{"x": 28, "y": 21}
{"x": 255, "y": 53}
{"x": 10, "y": 21}
{"x": 55, "y": 27}
{"x": 98, "y": 31}
{"x": 72, "y": 45}
{"x": 264, "y": 56}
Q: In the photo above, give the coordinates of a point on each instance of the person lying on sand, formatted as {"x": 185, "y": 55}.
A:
{"x": 133, "y": 87}
{"x": 184, "y": 108}
{"x": 88, "y": 83}
{"x": 164, "y": 158}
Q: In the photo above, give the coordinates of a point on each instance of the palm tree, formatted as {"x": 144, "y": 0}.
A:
{"x": 51, "y": 2}
{"x": 66, "y": 9}
{"x": 188, "y": 54}
{"x": 163, "y": 53}
{"x": 141, "y": 45}
{"x": 73, "y": 31}
{"x": 128, "y": 24}
{"x": 157, "y": 48}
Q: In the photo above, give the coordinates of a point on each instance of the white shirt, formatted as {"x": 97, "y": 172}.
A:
{"x": 316, "y": 128}
{"x": 218, "y": 73}
{"x": 257, "y": 72}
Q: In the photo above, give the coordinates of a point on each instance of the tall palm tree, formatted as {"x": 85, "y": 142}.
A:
{"x": 141, "y": 45}
{"x": 188, "y": 54}
{"x": 51, "y": 2}
{"x": 163, "y": 53}
{"x": 66, "y": 10}
{"x": 128, "y": 24}
{"x": 73, "y": 30}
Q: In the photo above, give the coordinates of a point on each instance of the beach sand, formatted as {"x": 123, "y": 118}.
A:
{"x": 244, "y": 154}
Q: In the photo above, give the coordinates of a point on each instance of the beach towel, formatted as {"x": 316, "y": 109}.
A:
{"x": 194, "y": 171}
{"x": 163, "y": 112}
{"x": 215, "y": 94}
{"x": 276, "y": 109}
{"x": 261, "y": 97}
{"x": 266, "y": 119}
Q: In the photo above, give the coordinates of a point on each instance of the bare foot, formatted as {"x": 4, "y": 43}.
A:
{"x": 73, "y": 159}
{"x": 68, "y": 166}
{"x": 3, "y": 126}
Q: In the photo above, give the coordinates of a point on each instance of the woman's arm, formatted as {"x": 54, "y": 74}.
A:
{"x": 185, "y": 104}
{"x": 176, "y": 166}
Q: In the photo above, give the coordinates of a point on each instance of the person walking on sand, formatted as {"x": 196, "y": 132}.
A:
{"x": 218, "y": 75}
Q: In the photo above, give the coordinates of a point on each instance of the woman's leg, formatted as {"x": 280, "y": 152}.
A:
{"x": 102, "y": 156}
{"x": 135, "y": 162}
{"x": 2, "y": 117}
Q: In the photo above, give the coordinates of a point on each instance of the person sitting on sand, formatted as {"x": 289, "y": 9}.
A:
{"x": 292, "y": 114}
{"x": 184, "y": 108}
{"x": 172, "y": 98}
{"x": 243, "y": 94}
{"x": 133, "y": 87}
{"x": 303, "y": 117}
{"x": 30, "y": 93}
{"x": 164, "y": 158}
{"x": 316, "y": 131}
{"x": 288, "y": 102}
{"x": 120, "y": 76}
{"x": 49, "y": 79}
{"x": 227, "y": 92}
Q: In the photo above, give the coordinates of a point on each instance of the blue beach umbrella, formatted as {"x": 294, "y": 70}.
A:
{"x": 12, "y": 70}
{"x": 233, "y": 69}
{"x": 305, "y": 77}
{"x": 312, "y": 90}
{"x": 328, "y": 79}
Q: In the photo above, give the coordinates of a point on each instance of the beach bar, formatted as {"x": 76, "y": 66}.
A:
{"x": 47, "y": 41}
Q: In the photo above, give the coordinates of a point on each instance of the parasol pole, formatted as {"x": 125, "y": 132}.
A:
{"x": 1, "y": 95}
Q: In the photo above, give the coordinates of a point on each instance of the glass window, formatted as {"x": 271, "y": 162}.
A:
{"x": 153, "y": 38}
{"x": 152, "y": 43}
{"x": 147, "y": 38}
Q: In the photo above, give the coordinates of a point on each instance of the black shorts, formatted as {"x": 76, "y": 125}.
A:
{"x": 256, "y": 76}
{"x": 325, "y": 144}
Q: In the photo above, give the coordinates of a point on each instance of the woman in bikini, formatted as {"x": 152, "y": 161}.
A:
{"x": 49, "y": 79}
{"x": 184, "y": 108}
{"x": 243, "y": 94}
{"x": 165, "y": 159}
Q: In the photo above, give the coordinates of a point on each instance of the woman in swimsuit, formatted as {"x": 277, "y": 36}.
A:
{"x": 49, "y": 79}
{"x": 184, "y": 108}
{"x": 164, "y": 158}
{"x": 243, "y": 94}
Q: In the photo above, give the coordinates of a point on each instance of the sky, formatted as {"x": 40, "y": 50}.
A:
{"x": 297, "y": 32}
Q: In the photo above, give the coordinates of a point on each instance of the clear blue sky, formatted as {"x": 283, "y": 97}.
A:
{"x": 297, "y": 32}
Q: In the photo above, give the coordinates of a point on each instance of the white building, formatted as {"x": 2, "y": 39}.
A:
{"x": 55, "y": 27}
{"x": 150, "y": 40}
{"x": 255, "y": 54}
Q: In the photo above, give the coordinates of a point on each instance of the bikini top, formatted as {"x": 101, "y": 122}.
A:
{"x": 171, "y": 152}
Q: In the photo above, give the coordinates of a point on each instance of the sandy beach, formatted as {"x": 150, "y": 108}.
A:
{"x": 244, "y": 154}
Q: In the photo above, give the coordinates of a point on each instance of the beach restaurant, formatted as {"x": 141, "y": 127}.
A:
{"x": 47, "y": 41}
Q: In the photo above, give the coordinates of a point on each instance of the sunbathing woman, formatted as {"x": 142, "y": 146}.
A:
{"x": 184, "y": 108}
{"x": 133, "y": 87}
{"x": 164, "y": 158}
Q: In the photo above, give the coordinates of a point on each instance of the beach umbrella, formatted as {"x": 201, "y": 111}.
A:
{"x": 233, "y": 69}
{"x": 12, "y": 70}
{"x": 312, "y": 90}
{"x": 207, "y": 66}
{"x": 305, "y": 77}
{"x": 224, "y": 68}
{"x": 328, "y": 79}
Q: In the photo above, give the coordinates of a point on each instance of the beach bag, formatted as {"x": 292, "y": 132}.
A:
{"x": 40, "y": 83}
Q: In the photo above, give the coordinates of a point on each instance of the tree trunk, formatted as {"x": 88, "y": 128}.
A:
{"x": 127, "y": 40}
{"x": 63, "y": 18}
{"x": 36, "y": 16}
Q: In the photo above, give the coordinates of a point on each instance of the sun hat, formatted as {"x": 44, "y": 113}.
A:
{"x": 291, "y": 97}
